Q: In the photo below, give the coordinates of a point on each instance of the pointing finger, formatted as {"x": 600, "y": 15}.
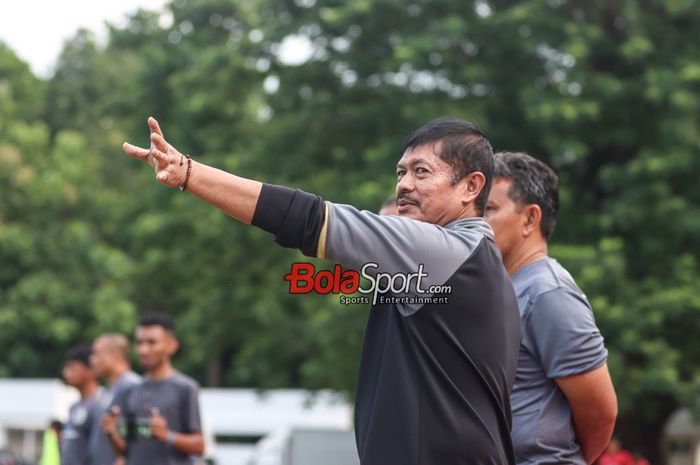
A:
{"x": 155, "y": 412}
{"x": 134, "y": 151}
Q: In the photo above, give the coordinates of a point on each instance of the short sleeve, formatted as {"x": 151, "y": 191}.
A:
{"x": 120, "y": 399}
{"x": 87, "y": 427}
{"x": 562, "y": 327}
{"x": 95, "y": 414}
{"x": 191, "y": 414}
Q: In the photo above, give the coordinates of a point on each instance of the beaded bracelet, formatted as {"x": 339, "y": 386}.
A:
{"x": 189, "y": 170}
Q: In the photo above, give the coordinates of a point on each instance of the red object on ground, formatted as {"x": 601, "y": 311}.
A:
{"x": 621, "y": 457}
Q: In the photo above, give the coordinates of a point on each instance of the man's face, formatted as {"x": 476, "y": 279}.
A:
{"x": 101, "y": 358}
{"x": 154, "y": 346}
{"x": 424, "y": 188}
{"x": 503, "y": 216}
{"x": 76, "y": 373}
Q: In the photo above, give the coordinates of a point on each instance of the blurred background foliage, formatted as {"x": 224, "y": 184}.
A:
{"x": 318, "y": 94}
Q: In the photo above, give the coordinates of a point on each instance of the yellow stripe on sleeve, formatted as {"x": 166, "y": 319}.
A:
{"x": 321, "y": 248}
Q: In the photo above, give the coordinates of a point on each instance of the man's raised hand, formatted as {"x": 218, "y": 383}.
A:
{"x": 170, "y": 165}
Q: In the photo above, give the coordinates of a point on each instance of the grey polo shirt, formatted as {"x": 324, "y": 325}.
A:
{"x": 560, "y": 339}
{"x": 101, "y": 450}
{"x": 78, "y": 430}
{"x": 177, "y": 400}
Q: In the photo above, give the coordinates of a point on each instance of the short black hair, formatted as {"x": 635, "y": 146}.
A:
{"x": 80, "y": 353}
{"x": 533, "y": 182}
{"x": 57, "y": 425}
{"x": 460, "y": 144}
{"x": 158, "y": 319}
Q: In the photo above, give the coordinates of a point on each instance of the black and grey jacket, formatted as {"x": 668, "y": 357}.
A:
{"x": 435, "y": 378}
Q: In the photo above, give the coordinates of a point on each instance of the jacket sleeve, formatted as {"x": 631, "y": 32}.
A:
{"x": 294, "y": 217}
{"x": 353, "y": 238}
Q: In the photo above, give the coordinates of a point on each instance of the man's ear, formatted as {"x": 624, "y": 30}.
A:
{"x": 532, "y": 216}
{"x": 173, "y": 345}
{"x": 473, "y": 184}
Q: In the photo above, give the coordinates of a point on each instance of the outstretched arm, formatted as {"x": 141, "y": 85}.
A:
{"x": 321, "y": 229}
{"x": 232, "y": 194}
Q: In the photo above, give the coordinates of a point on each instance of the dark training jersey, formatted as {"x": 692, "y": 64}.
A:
{"x": 437, "y": 369}
{"x": 101, "y": 450}
{"x": 79, "y": 429}
{"x": 177, "y": 400}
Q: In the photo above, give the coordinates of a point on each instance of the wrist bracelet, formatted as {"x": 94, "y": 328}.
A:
{"x": 170, "y": 438}
{"x": 183, "y": 187}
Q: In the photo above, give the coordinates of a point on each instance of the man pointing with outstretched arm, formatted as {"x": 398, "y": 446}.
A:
{"x": 436, "y": 370}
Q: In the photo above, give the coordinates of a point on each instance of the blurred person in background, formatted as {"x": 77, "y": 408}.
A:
{"x": 83, "y": 415}
{"x": 51, "y": 450}
{"x": 160, "y": 421}
{"x": 110, "y": 362}
{"x": 57, "y": 427}
{"x": 564, "y": 404}
{"x": 389, "y": 207}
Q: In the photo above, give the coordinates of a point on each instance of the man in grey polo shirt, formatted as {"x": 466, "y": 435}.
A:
{"x": 564, "y": 404}
{"x": 110, "y": 361}
{"x": 159, "y": 421}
